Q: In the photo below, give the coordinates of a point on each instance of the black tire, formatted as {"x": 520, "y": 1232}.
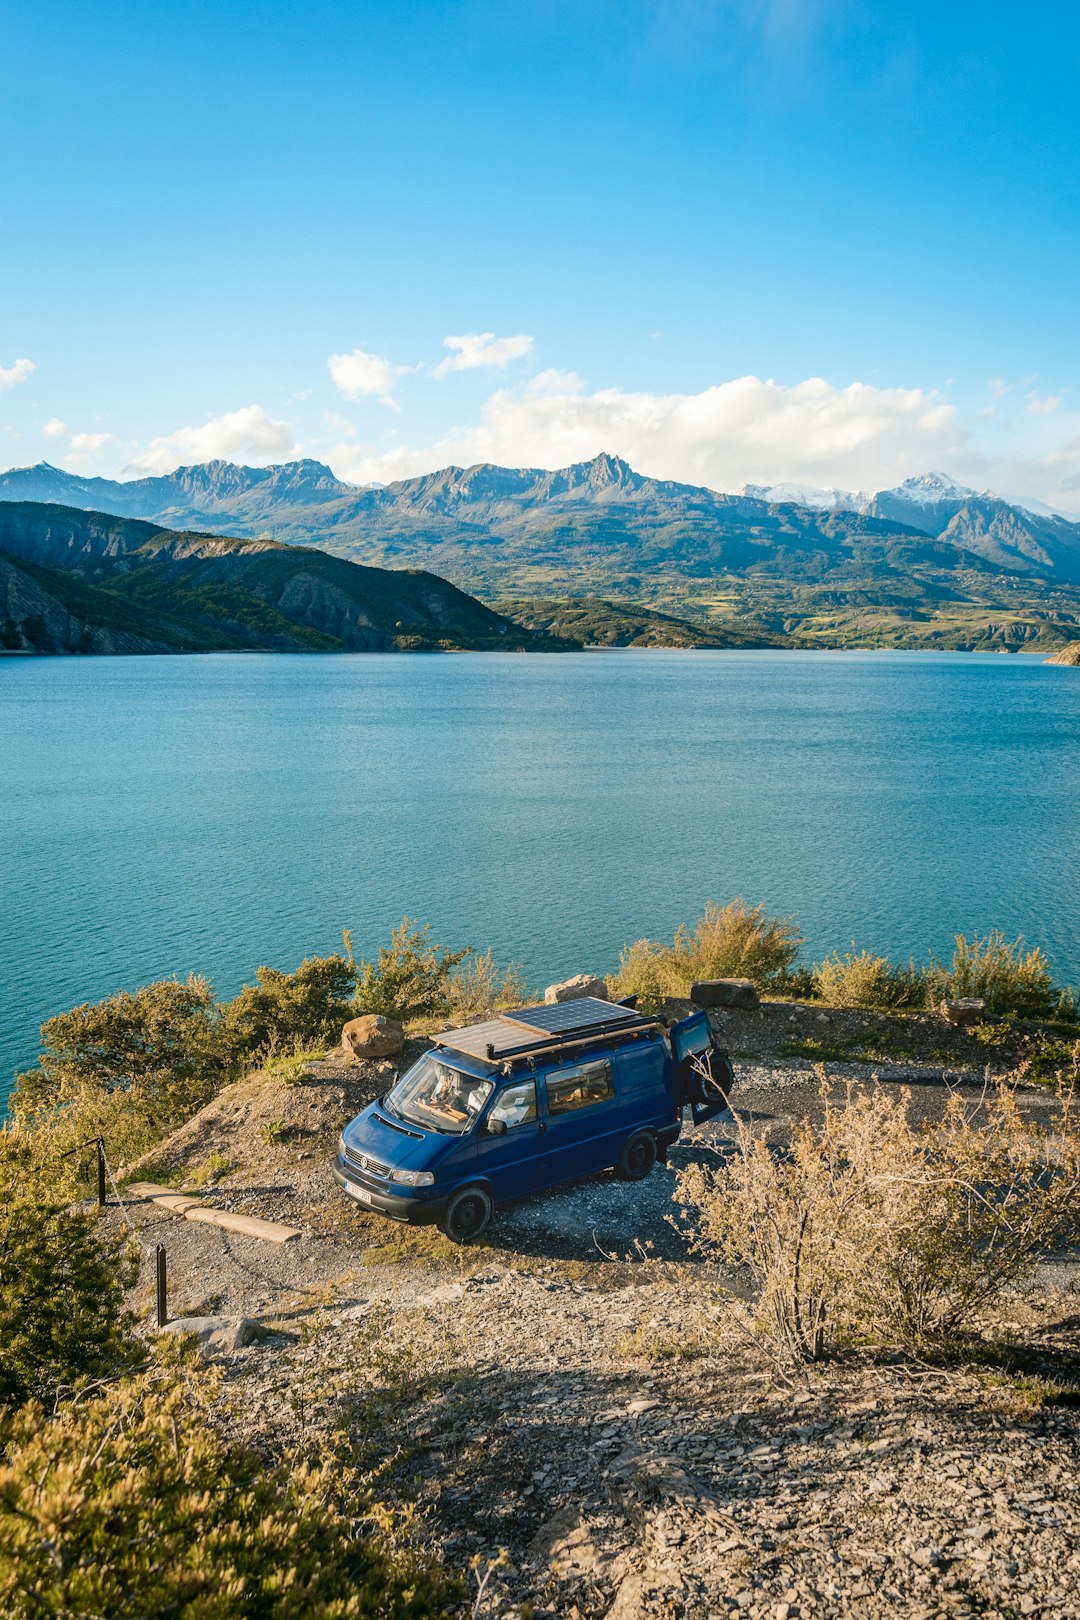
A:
{"x": 467, "y": 1214}
{"x": 638, "y": 1156}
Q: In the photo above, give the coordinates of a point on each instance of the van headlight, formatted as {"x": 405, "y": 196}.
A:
{"x": 412, "y": 1178}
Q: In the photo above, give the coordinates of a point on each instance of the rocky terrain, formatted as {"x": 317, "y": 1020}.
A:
{"x": 1068, "y": 655}
{"x": 84, "y": 582}
{"x": 928, "y": 564}
{"x": 576, "y": 1403}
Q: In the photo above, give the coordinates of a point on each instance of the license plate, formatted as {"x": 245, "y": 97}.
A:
{"x": 360, "y": 1192}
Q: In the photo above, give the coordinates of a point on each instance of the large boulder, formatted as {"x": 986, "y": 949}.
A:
{"x": 372, "y": 1036}
{"x": 216, "y": 1335}
{"x": 965, "y": 1013}
{"x": 583, "y": 984}
{"x": 737, "y": 993}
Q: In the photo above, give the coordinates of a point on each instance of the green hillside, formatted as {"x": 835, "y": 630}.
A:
{"x": 74, "y": 581}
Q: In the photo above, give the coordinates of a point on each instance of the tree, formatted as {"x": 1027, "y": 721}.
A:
{"x": 62, "y": 1315}
{"x": 291, "y": 1010}
{"x": 162, "y": 1044}
{"x": 411, "y": 977}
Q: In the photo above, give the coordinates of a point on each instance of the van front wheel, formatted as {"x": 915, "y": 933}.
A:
{"x": 467, "y": 1214}
{"x": 638, "y": 1156}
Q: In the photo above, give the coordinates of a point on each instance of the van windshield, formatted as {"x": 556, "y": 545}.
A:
{"x": 437, "y": 1097}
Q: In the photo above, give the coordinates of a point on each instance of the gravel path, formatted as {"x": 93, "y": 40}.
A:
{"x": 575, "y": 1392}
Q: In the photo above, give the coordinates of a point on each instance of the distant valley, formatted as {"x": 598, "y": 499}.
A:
{"x": 928, "y": 564}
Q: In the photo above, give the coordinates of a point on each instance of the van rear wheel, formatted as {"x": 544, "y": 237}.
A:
{"x": 467, "y": 1214}
{"x": 638, "y": 1157}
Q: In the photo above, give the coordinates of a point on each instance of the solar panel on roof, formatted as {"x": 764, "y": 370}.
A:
{"x": 587, "y": 1012}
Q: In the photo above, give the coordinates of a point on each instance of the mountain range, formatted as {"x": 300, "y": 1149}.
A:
{"x": 78, "y": 581}
{"x": 927, "y": 563}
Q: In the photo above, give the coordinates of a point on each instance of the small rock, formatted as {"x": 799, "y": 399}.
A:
{"x": 965, "y": 1012}
{"x": 217, "y": 1335}
{"x": 443, "y": 1295}
{"x": 583, "y": 984}
{"x": 372, "y": 1036}
{"x": 636, "y": 1408}
{"x": 353, "y": 1313}
{"x": 725, "y": 993}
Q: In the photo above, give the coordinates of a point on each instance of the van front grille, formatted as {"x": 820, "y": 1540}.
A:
{"x": 370, "y": 1171}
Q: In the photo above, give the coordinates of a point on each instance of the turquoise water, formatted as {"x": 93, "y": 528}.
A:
{"x": 164, "y": 815}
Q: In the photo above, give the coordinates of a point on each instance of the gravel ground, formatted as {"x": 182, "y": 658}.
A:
{"x": 574, "y": 1391}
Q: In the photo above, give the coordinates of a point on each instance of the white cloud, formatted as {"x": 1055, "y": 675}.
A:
{"x": 475, "y": 349}
{"x": 371, "y": 375}
{"x": 747, "y": 430}
{"x": 1043, "y": 404}
{"x": 998, "y": 387}
{"x": 17, "y": 373}
{"x": 88, "y": 444}
{"x": 248, "y": 433}
{"x": 80, "y": 445}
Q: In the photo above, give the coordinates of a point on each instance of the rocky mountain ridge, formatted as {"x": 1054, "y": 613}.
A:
{"x": 77, "y": 581}
{"x": 928, "y": 564}
{"x": 303, "y": 501}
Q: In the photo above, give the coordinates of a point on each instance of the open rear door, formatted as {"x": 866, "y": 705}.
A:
{"x": 703, "y": 1076}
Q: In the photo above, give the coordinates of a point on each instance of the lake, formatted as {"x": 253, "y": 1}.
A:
{"x": 169, "y": 815}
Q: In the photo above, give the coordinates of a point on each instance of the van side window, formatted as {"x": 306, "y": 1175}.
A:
{"x": 579, "y": 1088}
{"x": 516, "y": 1105}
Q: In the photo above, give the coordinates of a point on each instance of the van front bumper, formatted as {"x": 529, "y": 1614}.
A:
{"x": 417, "y": 1211}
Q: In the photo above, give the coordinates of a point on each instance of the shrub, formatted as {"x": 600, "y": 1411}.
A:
{"x": 479, "y": 987}
{"x": 161, "y": 1045}
{"x": 732, "y": 941}
{"x": 1010, "y": 980}
{"x": 860, "y": 979}
{"x": 411, "y": 977}
{"x": 283, "y": 1011}
{"x": 877, "y": 1230}
{"x": 130, "y": 1504}
{"x": 62, "y": 1284}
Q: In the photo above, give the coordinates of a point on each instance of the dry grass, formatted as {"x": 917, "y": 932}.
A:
{"x": 732, "y": 941}
{"x": 861, "y": 979}
{"x": 876, "y": 1230}
{"x": 1009, "y": 978}
{"x": 479, "y": 987}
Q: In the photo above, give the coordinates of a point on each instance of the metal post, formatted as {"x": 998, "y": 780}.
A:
{"x": 101, "y": 1172}
{"x": 162, "y": 1308}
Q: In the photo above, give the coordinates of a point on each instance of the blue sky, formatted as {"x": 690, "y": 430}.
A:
{"x": 796, "y": 239}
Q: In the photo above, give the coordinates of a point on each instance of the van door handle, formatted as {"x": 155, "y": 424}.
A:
{"x": 541, "y": 1127}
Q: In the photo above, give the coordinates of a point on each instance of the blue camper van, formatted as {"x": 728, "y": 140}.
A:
{"x": 525, "y": 1101}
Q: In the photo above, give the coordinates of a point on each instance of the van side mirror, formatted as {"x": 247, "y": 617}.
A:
{"x": 496, "y": 1127}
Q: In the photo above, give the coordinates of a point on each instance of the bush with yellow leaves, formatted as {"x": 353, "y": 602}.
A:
{"x": 130, "y": 1504}
{"x": 878, "y": 1230}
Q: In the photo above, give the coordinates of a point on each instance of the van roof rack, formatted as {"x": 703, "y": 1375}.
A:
{"x": 540, "y": 1029}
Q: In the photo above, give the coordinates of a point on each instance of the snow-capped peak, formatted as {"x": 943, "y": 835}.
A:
{"x": 827, "y": 500}
{"x": 929, "y": 488}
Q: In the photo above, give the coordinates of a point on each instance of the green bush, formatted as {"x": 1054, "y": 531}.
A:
{"x": 1009, "y": 979}
{"x": 62, "y": 1282}
{"x": 732, "y": 941}
{"x": 162, "y": 1045}
{"x": 129, "y": 1504}
{"x": 284, "y": 1011}
{"x": 861, "y": 979}
{"x": 479, "y": 986}
{"x": 411, "y": 978}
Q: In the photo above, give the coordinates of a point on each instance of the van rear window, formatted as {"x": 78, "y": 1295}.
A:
{"x": 579, "y": 1088}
